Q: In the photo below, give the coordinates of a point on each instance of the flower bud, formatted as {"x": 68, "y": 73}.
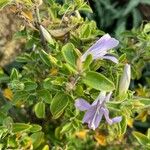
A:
{"x": 46, "y": 35}
{"x": 125, "y": 80}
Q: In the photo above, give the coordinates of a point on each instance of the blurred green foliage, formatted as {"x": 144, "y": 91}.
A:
{"x": 117, "y": 16}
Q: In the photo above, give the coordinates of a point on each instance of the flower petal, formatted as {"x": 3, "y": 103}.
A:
{"x": 117, "y": 119}
{"x": 111, "y": 58}
{"x": 106, "y": 114}
{"x": 96, "y": 120}
{"x": 105, "y": 43}
{"x": 100, "y": 98}
{"x": 82, "y": 105}
{"x": 97, "y": 54}
{"x": 99, "y": 49}
{"x": 110, "y": 44}
{"x": 99, "y": 43}
{"x": 89, "y": 115}
{"x": 95, "y": 49}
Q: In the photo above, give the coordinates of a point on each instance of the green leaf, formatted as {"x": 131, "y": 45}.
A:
{"x": 66, "y": 8}
{"x": 16, "y": 85}
{"x": 114, "y": 105}
{"x": 2, "y": 117}
{"x": 37, "y": 139}
{"x": 30, "y": 85}
{"x": 4, "y": 110}
{"x": 85, "y": 8}
{"x": 123, "y": 125}
{"x": 3, "y": 130}
{"x": 131, "y": 5}
{"x": 87, "y": 62}
{"x": 70, "y": 54}
{"x": 11, "y": 142}
{"x": 40, "y": 110}
{"x": 142, "y": 139}
{"x": 66, "y": 127}
{"x": 137, "y": 18}
{"x": 147, "y": 2}
{"x": 85, "y": 31}
{"x": 24, "y": 58}
{"x": 14, "y": 74}
{"x": 19, "y": 127}
{"x": 1, "y": 146}
{"x": 45, "y": 57}
{"x": 3, "y": 3}
{"x": 121, "y": 27}
{"x": 123, "y": 57}
{"x": 58, "y": 104}
{"x": 47, "y": 83}
{"x": 53, "y": 60}
{"x": 69, "y": 68}
{"x": 98, "y": 81}
{"x": 45, "y": 96}
{"x": 7, "y": 122}
{"x": 145, "y": 101}
{"x": 35, "y": 128}
{"x": 148, "y": 133}
{"x": 46, "y": 147}
{"x": 4, "y": 78}
{"x": 20, "y": 97}
{"x": 146, "y": 28}
{"x": 79, "y": 90}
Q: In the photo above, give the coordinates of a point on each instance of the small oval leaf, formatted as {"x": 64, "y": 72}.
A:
{"x": 98, "y": 81}
{"x": 143, "y": 139}
{"x": 14, "y": 74}
{"x": 37, "y": 139}
{"x": 45, "y": 58}
{"x": 18, "y": 127}
{"x": 59, "y": 103}
{"x": 35, "y": 128}
{"x": 40, "y": 110}
{"x": 45, "y": 96}
{"x": 70, "y": 54}
{"x": 29, "y": 85}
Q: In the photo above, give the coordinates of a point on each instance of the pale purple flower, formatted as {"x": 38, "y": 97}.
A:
{"x": 96, "y": 110}
{"x": 99, "y": 50}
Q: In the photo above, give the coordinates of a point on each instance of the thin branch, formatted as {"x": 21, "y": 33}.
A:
{"x": 37, "y": 24}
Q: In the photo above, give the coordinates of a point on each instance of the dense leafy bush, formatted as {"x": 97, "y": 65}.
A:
{"x": 68, "y": 66}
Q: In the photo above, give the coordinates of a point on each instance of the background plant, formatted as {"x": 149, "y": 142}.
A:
{"x": 120, "y": 15}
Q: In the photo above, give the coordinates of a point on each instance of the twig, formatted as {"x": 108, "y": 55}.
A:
{"x": 37, "y": 24}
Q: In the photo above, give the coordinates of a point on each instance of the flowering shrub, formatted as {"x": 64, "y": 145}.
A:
{"x": 67, "y": 66}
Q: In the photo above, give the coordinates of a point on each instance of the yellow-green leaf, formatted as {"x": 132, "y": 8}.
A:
{"x": 59, "y": 103}
{"x": 40, "y": 110}
{"x": 98, "y": 81}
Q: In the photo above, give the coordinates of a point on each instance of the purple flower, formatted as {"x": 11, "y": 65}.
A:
{"x": 96, "y": 111}
{"x": 99, "y": 50}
